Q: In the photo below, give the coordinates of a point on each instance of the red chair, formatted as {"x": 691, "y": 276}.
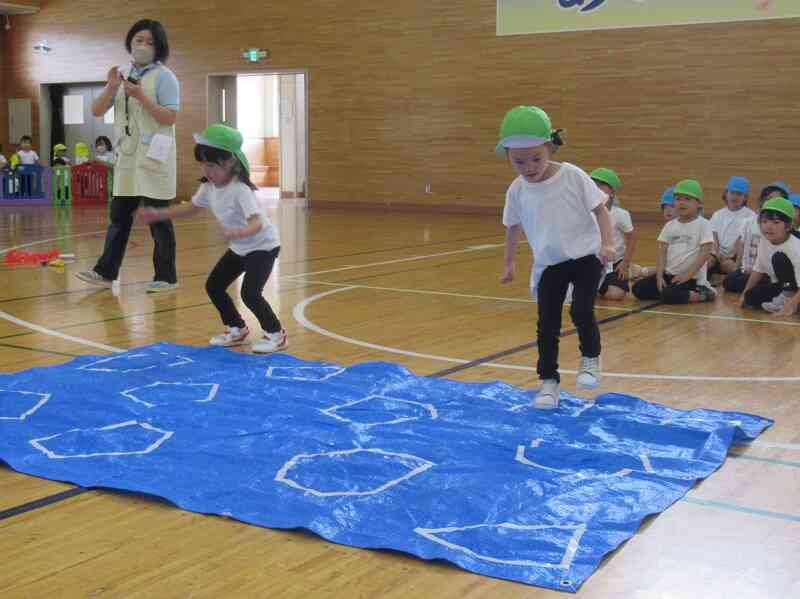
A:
{"x": 90, "y": 183}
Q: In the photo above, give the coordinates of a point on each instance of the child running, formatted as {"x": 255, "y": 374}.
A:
{"x": 254, "y": 245}
{"x": 564, "y": 216}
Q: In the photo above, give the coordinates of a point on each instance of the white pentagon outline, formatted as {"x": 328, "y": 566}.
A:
{"x": 210, "y": 397}
{"x": 182, "y": 360}
{"x": 45, "y": 397}
{"x": 337, "y": 371}
{"x": 566, "y": 562}
{"x": 522, "y": 459}
{"x": 426, "y": 406}
{"x": 152, "y": 447}
{"x": 284, "y": 470}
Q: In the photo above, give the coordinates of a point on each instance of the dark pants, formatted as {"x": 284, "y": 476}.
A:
{"x": 766, "y": 292}
{"x": 256, "y": 267}
{"x": 584, "y": 274}
{"x": 119, "y": 230}
{"x": 735, "y": 281}
{"x": 647, "y": 289}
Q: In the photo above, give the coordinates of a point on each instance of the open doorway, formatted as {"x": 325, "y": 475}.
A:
{"x": 271, "y": 111}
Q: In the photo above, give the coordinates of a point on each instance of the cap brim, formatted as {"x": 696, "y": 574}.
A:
{"x": 199, "y": 139}
{"x": 519, "y": 141}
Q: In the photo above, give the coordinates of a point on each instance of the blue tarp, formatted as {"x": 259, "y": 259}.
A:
{"x": 368, "y": 455}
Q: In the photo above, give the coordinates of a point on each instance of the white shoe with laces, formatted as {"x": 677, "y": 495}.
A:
{"x": 271, "y": 342}
{"x": 776, "y": 305}
{"x": 232, "y": 336}
{"x": 548, "y": 396}
{"x": 160, "y": 286}
{"x": 589, "y": 373}
{"x": 94, "y": 278}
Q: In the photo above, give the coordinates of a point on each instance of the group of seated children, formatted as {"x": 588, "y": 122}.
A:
{"x": 25, "y": 154}
{"x": 757, "y": 253}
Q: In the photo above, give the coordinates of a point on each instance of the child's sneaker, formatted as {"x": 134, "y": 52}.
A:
{"x": 271, "y": 342}
{"x": 232, "y": 336}
{"x": 548, "y": 396}
{"x": 159, "y": 286}
{"x": 707, "y": 293}
{"x": 776, "y": 305}
{"x": 589, "y": 373}
{"x": 93, "y": 278}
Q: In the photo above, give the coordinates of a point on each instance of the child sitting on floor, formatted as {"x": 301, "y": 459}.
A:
{"x": 778, "y": 259}
{"x": 727, "y": 223}
{"x": 684, "y": 246}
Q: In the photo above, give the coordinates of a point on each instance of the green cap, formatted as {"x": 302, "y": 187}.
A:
{"x": 81, "y": 149}
{"x": 781, "y": 205}
{"x": 524, "y": 127}
{"x": 606, "y": 175}
{"x": 59, "y": 148}
{"x": 691, "y": 188}
{"x": 226, "y": 138}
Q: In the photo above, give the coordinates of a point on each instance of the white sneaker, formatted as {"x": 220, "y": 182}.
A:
{"x": 548, "y": 396}
{"x": 93, "y": 278}
{"x": 271, "y": 342}
{"x": 776, "y": 305}
{"x": 232, "y": 336}
{"x": 159, "y": 286}
{"x": 589, "y": 373}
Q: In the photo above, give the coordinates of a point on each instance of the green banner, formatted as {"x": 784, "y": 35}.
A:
{"x": 516, "y": 17}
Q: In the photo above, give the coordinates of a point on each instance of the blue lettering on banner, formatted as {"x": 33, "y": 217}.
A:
{"x": 592, "y": 4}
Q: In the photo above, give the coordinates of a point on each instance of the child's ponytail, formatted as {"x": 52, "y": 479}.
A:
{"x": 557, "y": 139}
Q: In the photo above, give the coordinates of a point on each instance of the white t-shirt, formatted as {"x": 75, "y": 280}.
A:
{"x": 727, "y": 224}
{"x": 751, "y": 239}
{"x": 790, "y": 247}
{"x": 27, "y": 156}
{"x": 107, "y": 157}
{"x": 683, "y": 245}
{"x": 621, "y": 223}
{"x": 556, "y": 216}
{"x": 232, "y": 205}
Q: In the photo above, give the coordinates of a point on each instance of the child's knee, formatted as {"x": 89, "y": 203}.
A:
{"x": 674, "y": 295}
{"x": 614, "y": 293}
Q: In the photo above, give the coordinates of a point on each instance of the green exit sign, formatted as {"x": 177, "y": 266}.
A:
{"x": 255, "y": 54}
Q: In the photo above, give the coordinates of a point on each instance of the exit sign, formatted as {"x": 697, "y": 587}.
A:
{"x": 255, "y": 54}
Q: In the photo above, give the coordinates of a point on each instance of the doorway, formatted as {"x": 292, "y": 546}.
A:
{"x": 271, "y": 111}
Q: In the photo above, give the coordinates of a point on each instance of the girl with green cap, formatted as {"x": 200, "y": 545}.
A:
{"x": 564, "y": 216}
{"x": 684, "y": 247}
{"x": 253, "y": 240}
{"x": 778, "y": 259}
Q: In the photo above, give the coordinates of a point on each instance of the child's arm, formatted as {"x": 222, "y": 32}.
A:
{"x": 253, "y": 226}
{"x": 604, "y": 221}
{"x": 630, "y": 246}
{"x": 661, "y": 264}
{"x": 151, "y": 215}
{"x": 512, "y": 238}
{"x": 715, "y": 248}
{"x": 753, "y": 280}
{"x": 702, "y": 258}
{"x": 739, "y": 249}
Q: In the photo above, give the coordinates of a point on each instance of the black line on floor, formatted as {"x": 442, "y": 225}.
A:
{"x": 40, "y": 503}
{"x": 41, "y": 351}
{"x": 532, "y": 344}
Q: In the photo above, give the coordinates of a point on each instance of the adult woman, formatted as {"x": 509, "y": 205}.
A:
{"x": 146, "y": 99}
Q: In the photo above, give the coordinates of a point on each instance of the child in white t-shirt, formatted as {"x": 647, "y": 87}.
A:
{"x": 565, "y": 219}
{"x": 103, "y": 151}
{"x": 684, "y": 246}
{"x": 253, "y": 240}
{"x": 778, "y": 259}
{"x": 749, "y": 240}
{"x": 615, "y": 281}
{"x": 25, "y": 152}
{"x": 727, "y": 223}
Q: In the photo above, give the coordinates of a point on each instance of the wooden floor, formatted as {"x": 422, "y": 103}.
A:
{"x": 421, "y": 290}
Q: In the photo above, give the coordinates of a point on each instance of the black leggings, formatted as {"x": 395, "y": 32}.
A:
{"x": 647, "y": 289}
{"x": 584, "y": 274}
{"x": 765, "y": 292}
{"x": 256, "y": 267}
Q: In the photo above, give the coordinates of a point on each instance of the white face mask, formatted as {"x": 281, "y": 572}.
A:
{"x": 143, "y": 55}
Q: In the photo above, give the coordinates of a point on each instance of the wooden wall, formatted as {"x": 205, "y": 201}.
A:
{"x": 407, "y": 93}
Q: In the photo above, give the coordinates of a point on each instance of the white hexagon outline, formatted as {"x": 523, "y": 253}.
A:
{"x": 210, "y": 397}
{"x": 182, "y": 360}
{"x": 284, "y": 470}
{"x": 151, "y": 448}
{"x": 337, "y": 370}
{"x": 45, "y": 397}
{"x": 426, "y": 406}
{"x": 566, "y": 561}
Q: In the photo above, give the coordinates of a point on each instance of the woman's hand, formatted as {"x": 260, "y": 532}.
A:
{"x": 133, "y": 90}
{"x": 114, "y": 78}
